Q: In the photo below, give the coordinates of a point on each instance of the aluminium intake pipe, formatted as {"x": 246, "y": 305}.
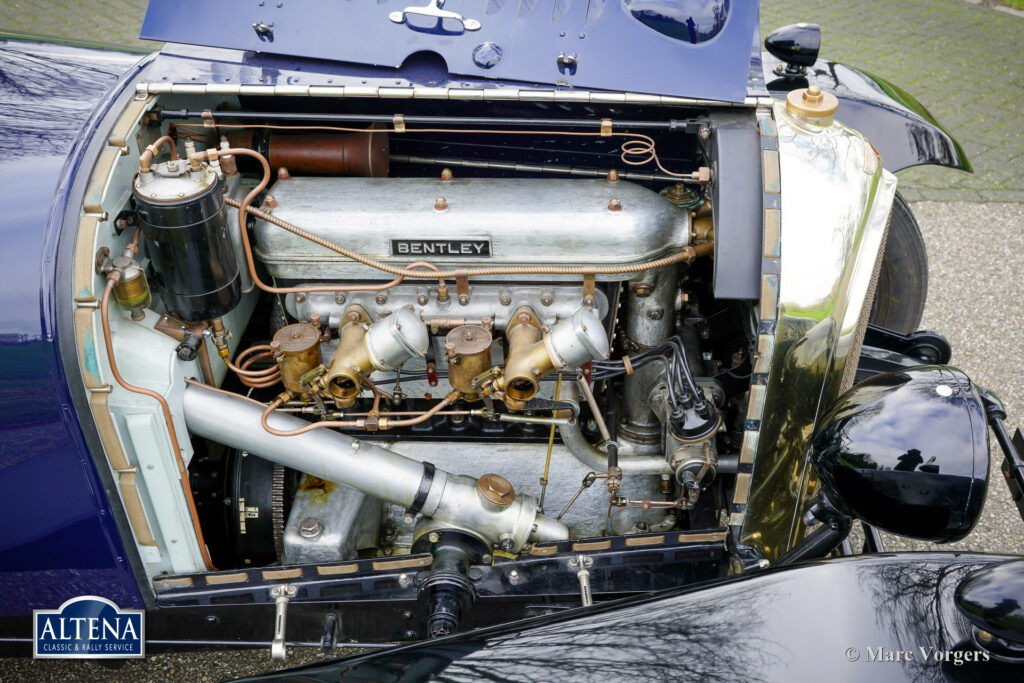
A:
{"x": 452, "y": 501}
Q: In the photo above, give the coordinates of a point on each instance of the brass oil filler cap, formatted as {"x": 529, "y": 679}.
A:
{"x": 811, "y": 102}
{"x": 496, "y": 489}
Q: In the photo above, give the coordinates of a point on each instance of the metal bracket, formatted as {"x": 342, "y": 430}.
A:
{"x": 282, "y": 593}
{"x": 589, "y": 290}
{"x": 581, "y": 565}
{"x": 433, "y": 10}
{"x": 462, "y": 286}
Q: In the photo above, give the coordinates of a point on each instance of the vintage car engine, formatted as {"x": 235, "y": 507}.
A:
{"x": 377, "y": 351}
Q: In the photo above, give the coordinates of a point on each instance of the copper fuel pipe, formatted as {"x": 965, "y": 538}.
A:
{"x": 351, "y": 424}
{"x": 112, "y": 280}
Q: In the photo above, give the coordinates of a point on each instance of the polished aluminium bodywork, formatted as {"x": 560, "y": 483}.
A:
{"x": 834, "y": 213}
{"x": 484, "y": 221}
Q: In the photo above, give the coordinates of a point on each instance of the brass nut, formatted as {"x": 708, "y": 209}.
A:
{"x": 446, "y": 175}
{"x": 642, "y": 289}
{"x": 441, "y": 204}
{"x": 614, "y": 204}
{"x": 496, "y": 489}
{"x": 811, "y": 102}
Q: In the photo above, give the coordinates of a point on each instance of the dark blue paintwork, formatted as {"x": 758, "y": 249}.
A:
{"x": 763, "y": 627}
{"x": 896, "y": 124}
{"x": 688, "y": 48}
{"x": 59, "y": 539}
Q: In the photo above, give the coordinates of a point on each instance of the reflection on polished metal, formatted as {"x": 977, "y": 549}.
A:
{"x": 834, "y": 215}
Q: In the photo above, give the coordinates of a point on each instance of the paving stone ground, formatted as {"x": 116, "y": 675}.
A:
{"x": 965, "y": 63}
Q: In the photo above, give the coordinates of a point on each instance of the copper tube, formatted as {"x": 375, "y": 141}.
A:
{"x": 256, "y": 379}
{"x": 350, "y": 424}
{"x": 146, "y": 158}
{"x": 166, "y": 409}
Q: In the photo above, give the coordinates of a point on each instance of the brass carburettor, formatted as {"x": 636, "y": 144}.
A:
{"x": 297, "y": 350}
{"x": 363, "y": 348}
{"x": 468, "y": 351}
{"x": 532, "y": 353}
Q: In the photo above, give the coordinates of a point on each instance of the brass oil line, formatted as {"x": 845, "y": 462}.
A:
{"x": 383, "y": 424}
{"x": 551, "y": 446}
{"x": 112, "y": 280}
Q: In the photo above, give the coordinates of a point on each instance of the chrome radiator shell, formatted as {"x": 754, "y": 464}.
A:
{"x": 522, "y": 221}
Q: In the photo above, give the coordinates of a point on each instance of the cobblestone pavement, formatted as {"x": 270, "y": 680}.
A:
{"x": 963, "y": 61}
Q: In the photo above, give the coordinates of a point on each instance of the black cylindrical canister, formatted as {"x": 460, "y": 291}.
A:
{"x": 190, "y": 245}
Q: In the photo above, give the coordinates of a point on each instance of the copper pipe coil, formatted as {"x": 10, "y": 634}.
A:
{"x": 166, "y": 409}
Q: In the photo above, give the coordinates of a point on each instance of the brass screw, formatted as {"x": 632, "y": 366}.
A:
{"x": 446, "y": 175}
{"x": 382, "y": 298}
{"x": 524, "y": 317}
{"x": 463, "y": 299}
{"x": 283, "y": 174}
{"x": 613, "y": 176}
{"x": 299, "y": 298}
{"x": 440, "y": 204}
{"x": 433, "y": 537}
{"x": 614, "y": 204}
{"x": 269, "y": 202}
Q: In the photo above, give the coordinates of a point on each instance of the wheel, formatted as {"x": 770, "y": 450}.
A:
{"x": 903, "y": 277}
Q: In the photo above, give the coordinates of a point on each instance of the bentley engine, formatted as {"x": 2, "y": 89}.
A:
{"x": 374, "y": 350}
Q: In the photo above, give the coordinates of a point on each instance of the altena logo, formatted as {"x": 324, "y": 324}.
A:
{"x": 88, "y": 627}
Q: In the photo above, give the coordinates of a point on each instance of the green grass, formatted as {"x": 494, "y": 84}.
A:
{"x": 1016, "y": 4}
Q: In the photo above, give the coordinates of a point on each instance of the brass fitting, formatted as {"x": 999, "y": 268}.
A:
{"x": 131, "y": 288}
{"x": 363, "y": 348}
{"x": 220, "y": 338}
{"x": 297, "y": 350}
{"x": 528, "y": 360}
{"x": 533, "y": 353}
{"x": 351, "y": 361}
{"x": 468, "y": 351}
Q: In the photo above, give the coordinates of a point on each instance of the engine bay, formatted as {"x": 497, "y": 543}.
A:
{"x": 372, "y": 335}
